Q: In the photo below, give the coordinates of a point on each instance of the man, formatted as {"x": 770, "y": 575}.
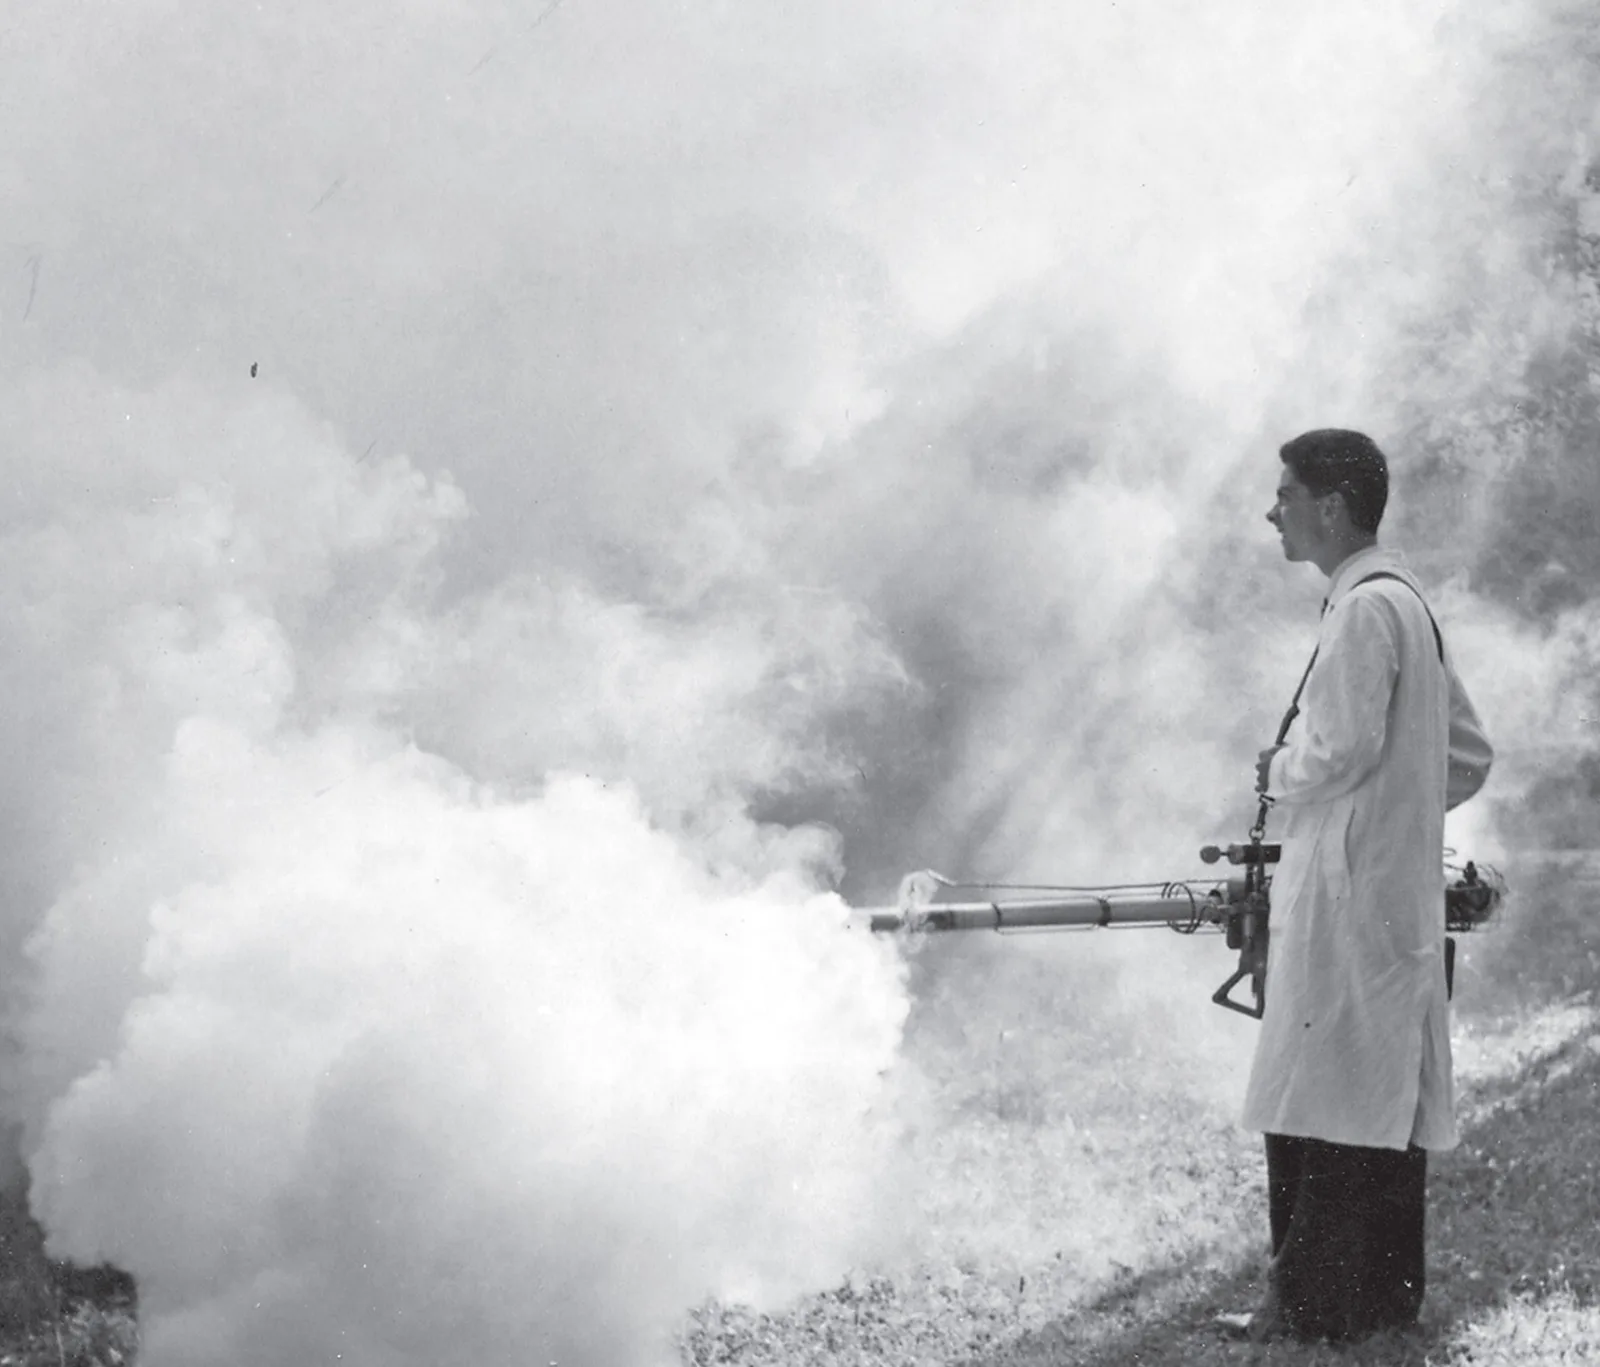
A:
{"x": 1351, "y": 1081}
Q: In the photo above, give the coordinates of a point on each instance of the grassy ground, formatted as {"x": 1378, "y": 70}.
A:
{"x": 1083, "y": 1196}
{"x": 51, "y": 1312}
{"x": 1159, "y": 1204}
{"x": 1514, "y": 1251}
{"x": 56, "y": 1315}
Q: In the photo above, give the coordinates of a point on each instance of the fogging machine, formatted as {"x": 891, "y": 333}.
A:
{"x": 1238, "y": 906}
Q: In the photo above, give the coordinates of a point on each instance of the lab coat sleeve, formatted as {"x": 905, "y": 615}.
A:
{"x": 1470, "y": 751}
{"x": 1345, "y": 708}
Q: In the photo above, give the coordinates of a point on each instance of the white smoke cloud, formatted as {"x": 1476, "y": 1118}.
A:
{"x": 324, "y": 1038}
{"x": 462, "y": 1077}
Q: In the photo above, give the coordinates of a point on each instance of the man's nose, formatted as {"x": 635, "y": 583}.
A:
{"x": 1272, "y": 516}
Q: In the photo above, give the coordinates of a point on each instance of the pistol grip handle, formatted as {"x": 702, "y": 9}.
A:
{"x": 1221, "y": 997}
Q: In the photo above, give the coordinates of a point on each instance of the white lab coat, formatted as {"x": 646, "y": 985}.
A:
{"x": 1355, "y": 1046}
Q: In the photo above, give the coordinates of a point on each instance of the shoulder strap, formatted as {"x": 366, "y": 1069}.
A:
{"x": 1438, "y": 640}
{"x": 1294, "y": 704}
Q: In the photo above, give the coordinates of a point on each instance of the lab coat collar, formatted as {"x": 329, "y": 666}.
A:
{"x": 1370, "y": 560}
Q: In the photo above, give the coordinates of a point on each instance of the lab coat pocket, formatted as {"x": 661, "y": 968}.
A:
{"x": 1295, "y": 872}
{"x": 1333, "y": 850}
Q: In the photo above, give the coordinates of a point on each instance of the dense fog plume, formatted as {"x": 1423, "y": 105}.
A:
{"x": 328, "y": 1043}
{"x": 463, "y": 1080}
{"x": 488, "y": 489}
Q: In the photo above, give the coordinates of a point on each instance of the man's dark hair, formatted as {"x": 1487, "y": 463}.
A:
{"x": 1334, "y": 461}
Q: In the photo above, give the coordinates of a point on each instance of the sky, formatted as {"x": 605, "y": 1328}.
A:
{"x": 513, "y": 513}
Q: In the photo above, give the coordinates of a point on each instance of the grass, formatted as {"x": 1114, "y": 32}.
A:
{"x": 1156, "y": 1201}
{"x": 1514, "y": 1254}
{"x": 1084, "y": 1198}
{"x": 53, "y": 1314}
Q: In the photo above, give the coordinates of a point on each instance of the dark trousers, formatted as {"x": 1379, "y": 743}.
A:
{"x": 1347, "y": 1226}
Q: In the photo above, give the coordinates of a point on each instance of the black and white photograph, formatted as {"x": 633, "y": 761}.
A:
{"x": 772, "y": 685}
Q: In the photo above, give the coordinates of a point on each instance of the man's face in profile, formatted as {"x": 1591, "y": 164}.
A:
{"x": 1296, "y": 517}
